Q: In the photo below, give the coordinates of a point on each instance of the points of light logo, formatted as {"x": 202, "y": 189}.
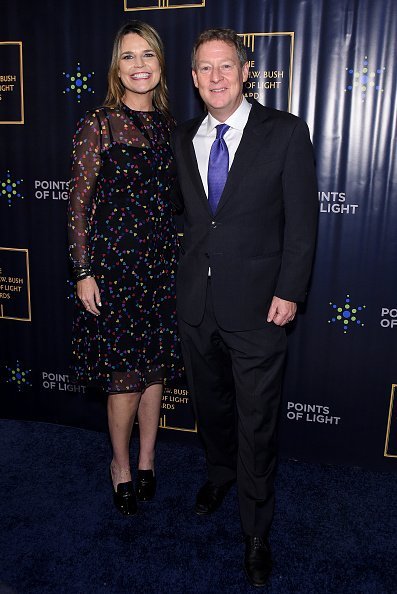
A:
{"x": 18, "y": 376}
{"x": 364, "y": 79}
{"x": 347, "y": 314}
{"x": 78, "y": 83}
{"x": 9, "y": 188}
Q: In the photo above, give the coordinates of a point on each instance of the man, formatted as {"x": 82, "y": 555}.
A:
{"x": 250, "y": 213}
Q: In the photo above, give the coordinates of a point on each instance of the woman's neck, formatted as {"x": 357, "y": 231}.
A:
{"x": 138, "y": 102}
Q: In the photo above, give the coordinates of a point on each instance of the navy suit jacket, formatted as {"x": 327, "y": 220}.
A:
{"x": 260, "y": 241}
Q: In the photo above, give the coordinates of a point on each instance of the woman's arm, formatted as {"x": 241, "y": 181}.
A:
{"x": 86, "y": 164}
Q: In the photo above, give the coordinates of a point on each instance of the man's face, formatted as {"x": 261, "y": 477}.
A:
{"x": 219, "y": 78}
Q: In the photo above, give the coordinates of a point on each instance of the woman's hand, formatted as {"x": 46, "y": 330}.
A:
{"x": 88, "y": 293}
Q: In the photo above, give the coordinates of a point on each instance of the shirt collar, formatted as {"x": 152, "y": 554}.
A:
{"x": 237, "y": 120}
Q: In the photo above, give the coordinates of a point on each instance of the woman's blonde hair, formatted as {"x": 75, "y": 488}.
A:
{"x": 116, "y": 88}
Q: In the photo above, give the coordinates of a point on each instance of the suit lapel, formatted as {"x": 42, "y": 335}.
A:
{"x": 254, "y": 136}
{"x": 189, "y": 156}
{"x": 251, "y": 141}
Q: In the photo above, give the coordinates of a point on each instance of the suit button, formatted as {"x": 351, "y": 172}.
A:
{"x": 213, "y": 224}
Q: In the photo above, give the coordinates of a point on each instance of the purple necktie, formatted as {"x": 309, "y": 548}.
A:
{"x": 218, "y": 167}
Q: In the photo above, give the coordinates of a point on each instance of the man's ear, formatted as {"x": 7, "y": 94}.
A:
{"x": 194, "y": 75}
{"x": 245, "y": 72}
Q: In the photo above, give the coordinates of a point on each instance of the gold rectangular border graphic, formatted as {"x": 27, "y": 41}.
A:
{"x": 22, "y": 121}
{"x": 29, "y": 319}
{"x": 249, "y": 41}
{"x": 392, "y": 394}
{"x": 162, "y": 5}
{"x": 163, "y": 425}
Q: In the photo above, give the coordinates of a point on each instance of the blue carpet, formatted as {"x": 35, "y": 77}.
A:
{"x": 335, "y": 529}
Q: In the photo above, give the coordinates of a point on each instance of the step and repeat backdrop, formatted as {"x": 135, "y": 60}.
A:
{"x": 332, "y": 62}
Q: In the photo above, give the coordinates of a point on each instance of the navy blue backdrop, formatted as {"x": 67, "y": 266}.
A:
{"x": 331, "y": 62}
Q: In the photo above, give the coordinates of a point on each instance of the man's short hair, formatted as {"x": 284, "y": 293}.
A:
{"x": 229, "y": 36}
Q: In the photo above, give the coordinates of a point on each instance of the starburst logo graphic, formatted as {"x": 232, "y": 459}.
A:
{"x": 365, "y": 79}
{"x": 347, "y": 314}
{"x": 78, "y": 83}
{"x": 18, "y": 376}
{"x": 9, "y": 188}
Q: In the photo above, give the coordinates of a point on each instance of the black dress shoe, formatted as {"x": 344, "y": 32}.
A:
{"x": 145, "y": 485}
{"x": 257, "y": 560}
{"x": 124, "y": 499}
{"x": 210, "y": 497}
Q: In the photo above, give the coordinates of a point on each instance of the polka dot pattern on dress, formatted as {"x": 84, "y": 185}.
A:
{"x": 121, "y": 226}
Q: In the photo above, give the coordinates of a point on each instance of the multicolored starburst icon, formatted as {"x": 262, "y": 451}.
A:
{"x": 9, "y": 188}
{"x": 18, "y": 376}
{"x": 78, "y": 83}
{"x": 365, "y": 79}
{"x": 347, "y": 314}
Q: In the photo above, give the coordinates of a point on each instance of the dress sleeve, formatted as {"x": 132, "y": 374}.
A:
{"x": 86, "y": 164}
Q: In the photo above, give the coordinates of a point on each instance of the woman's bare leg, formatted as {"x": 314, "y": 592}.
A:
{"x": 148, "y": 418}
{"x": 121, "y": 415}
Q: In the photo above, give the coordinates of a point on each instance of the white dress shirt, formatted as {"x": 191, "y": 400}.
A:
{"x": 206, "y": 135}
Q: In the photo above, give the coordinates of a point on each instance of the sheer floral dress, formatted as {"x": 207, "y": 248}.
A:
{"x": 121, "y": 230}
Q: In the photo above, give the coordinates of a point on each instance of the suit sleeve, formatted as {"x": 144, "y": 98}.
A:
{"x": 301, "y": 213}
{"x": 176, "y": 196}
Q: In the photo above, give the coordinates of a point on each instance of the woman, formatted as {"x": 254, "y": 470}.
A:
{"x": 123, "y": 245}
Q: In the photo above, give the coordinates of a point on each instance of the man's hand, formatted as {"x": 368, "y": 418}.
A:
{"x": 281, "y": 311}
{"x": 88, "y": 293}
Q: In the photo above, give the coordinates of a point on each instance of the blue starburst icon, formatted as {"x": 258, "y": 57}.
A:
{"x": 18, "y": 376}
{"x": 365, "y": 79}
{"x": 78, "y": 83}
{"x": 347, "y": 314}
{"x": 9, "y": 188}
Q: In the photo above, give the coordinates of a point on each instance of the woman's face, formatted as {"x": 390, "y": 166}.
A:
{"x": 139, "y": 68}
